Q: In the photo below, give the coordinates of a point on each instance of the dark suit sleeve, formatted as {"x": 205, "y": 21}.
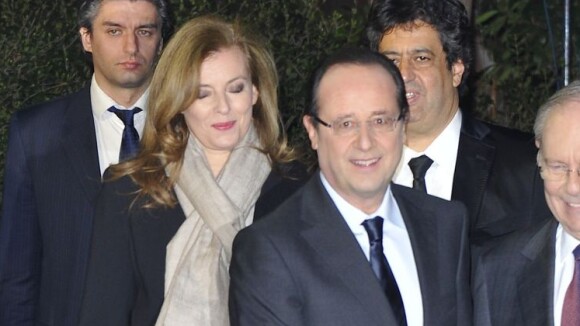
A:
{"x": 20, "y": 245}
{"x": 110, "y": 285}
{"x": 262, "y": 291}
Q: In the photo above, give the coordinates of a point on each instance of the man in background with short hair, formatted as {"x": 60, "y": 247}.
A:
{"x": 447, "y": 153}
{"x": 533, "y": 277}
{"x": 57, "y": 153}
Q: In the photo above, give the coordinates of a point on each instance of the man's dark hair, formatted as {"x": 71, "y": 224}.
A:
{"x": 362, "y": 57}
{"x": 448, "y": 17}
{"x": 88, "y": 10}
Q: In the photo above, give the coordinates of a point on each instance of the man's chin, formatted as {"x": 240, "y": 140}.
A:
{"x": 371, "y": 190}
{"x": 414, "y": 116}
{"x": 132, "y": 83}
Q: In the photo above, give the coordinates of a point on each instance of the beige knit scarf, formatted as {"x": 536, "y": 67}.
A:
{"x": 198, "y": 256}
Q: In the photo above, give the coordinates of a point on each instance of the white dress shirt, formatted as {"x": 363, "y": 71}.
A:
{"x": 396, "y": 246}
{"x": 108, "y": 127}
{"x": 443, "y": 152}
{"x": 563, "y": 269}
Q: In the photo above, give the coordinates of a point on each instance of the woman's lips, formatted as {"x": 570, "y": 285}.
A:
{"x": 224, "y": 125}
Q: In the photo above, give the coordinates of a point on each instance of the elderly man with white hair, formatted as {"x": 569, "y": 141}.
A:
{"x": 533, "y": 277}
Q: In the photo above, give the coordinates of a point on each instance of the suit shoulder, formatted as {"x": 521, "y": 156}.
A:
{"x": 121, "y": 196}
{"x": 124, "y": 183}
{"x": 512, "y": 147}
{"x": 517, "y": 241}
{"x": 511, "y": 135}
{"x": 416, "y": 196}
{"x": 420, "y": 206}
{"x": 499, "y": 134}
{"x": 46, "y": 111}
{"x": 293, "y": 170}
{"x": 122, "y": 191}
{"x": 284, "y": 180}
{"x": 283, "y": 218}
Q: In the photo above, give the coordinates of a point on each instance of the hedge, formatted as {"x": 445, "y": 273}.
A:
{"x": 43, "y": 58}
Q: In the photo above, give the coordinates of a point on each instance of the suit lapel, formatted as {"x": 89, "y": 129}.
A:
{"x": 536, "y": 289}
{"x": 424, "y": 241}
{"x": 474, "y": 162}
{"x": 332, "y": 239}
{"x": 80, "y": 143}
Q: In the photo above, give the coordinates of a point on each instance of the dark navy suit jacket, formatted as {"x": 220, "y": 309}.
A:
{"x": 497, "y": 179}
{"x": 301, "y": 265}
{"x": 52, "y": 179}
{"x": 514, "y": 279}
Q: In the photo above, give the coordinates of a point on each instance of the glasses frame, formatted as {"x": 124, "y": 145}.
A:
{"x": 548, "y": 174}
{"x": 330, "y": 126}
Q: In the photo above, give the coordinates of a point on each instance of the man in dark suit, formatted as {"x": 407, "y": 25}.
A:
{"x": 490, "y": 169}
{"x": 533, "y": 277}
{"x": 57, "y": 152}
{"x": 307, "y": 263}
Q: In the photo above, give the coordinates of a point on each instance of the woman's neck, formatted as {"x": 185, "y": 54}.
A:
{"x": 216, "y": 160}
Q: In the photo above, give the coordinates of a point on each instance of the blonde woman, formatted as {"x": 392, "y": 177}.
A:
{"x": 213, "y": 157}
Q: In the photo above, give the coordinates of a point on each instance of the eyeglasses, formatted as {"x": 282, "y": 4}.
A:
{"x": 556, "y": 171}
{"x": 348, "y": 126}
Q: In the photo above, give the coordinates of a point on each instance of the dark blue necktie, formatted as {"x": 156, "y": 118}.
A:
{"x": 419, "y": 166}
{"x": 130, "y": 142}
{"x": 381, "y": 268}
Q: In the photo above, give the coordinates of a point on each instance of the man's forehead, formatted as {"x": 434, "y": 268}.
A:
{"x": 363, "y": 82}
{"x": 350, "y": 77}
{"x": 410, "y": 26}
{"x": 563, "y": 122}
{"x": 150, "y": 1}
{"x": 411, "y": 31}
{"x": 109, "y": 12}
{"x": 108, "y": 3}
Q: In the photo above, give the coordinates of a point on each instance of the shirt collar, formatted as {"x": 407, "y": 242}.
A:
{"x": 443, "y": 149}
{"x": 353, "y": 216}
{"x": 566, "y": 244}
{"x": 448, "y": 138}
{"x": 101, "y": 102}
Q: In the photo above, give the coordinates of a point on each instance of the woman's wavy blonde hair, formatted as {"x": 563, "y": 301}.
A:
{"x": 174, "y": 87}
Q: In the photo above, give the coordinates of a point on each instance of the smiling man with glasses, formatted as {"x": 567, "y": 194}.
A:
{"x": 536, "y": 273}
{"x": 350, "y": 247}
{"x": 346, "y": 126}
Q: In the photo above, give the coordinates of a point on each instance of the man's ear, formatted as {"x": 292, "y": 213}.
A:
{"x": 311, "y": 130}
{"x": 86, "y": 39}
{"x": 457, "y": 70}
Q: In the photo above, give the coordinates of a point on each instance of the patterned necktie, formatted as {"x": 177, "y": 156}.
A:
{"x": 381, "y": 268}
{"x": 571, "y": 309}
{"x": 419, "y": 166}
{"x": 130, "y": 141}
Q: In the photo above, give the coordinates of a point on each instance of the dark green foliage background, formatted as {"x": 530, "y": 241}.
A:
{"x": 41, "y": 56}
{"x": 515, "y": 32}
